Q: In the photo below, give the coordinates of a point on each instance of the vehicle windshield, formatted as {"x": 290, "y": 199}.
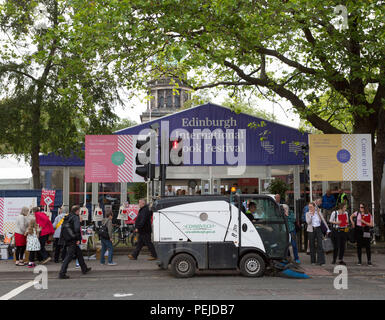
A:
{"x": 269, "y": 221}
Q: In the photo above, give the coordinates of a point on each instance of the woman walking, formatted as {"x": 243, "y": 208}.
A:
{"x": 20, "y": 238}
{"x": 362, "y": 226}
{"x": 33, "y": 243}
{"x": 46, "y": 230}
{"x": 340, "y": 221}
{"x": 314, "y": 218}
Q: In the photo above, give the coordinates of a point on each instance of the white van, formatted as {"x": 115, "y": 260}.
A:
{"x": 210, "y": 232}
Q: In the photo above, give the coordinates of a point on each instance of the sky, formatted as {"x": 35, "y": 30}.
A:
{"x": 283, "y": 111}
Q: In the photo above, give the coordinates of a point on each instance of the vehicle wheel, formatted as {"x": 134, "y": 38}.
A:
{"x": 252, "y": 265}
{"x": 183, "y": 266}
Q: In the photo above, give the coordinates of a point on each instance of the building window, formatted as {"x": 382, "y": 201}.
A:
{"x": 177, "y": 99}
{"x": 160, "y": 100}
{"x": 169, "y": 99}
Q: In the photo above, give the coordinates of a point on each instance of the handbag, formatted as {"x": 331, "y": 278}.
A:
{"x": 327, "y": 244}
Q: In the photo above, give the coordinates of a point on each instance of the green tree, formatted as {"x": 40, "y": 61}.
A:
{"x": 290, "y": 49}
{"x": 240, "y": 106}
{"x": 278, "y": 186}
{"x": 123, "y": 124}
{"x": 51, "y": 94}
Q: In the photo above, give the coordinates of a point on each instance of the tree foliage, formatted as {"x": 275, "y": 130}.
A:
{"x": 51, "y": 94}
{"x": 291, "y": 49}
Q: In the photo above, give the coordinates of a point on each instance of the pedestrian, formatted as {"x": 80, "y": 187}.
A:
{"x": 107, "y": 242}
{"x": 293, "y": 236}
{"x": 46, "y": 230}
{"x": 20, "y": 238}
{"x": 72, "y": 236}
{"x": 278, "y": 200}
{"x": 314, "y": 219}
{"x": 144, "y": 229}
{"x": 33, "y": 243}
{"x": 342, "y": 197}
{"x": 59, "y": 245}
{"x": 328, "y": 203}
{"x": 364, "y": 221}
{"x": 169, "y": 191}
{"x": 339, "y": 221}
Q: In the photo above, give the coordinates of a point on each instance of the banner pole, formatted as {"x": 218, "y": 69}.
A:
{"x": 85, "y": 193}
{"x": 373, "y": 206}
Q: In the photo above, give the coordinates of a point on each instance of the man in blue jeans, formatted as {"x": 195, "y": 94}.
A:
{"x": 107, "y": 243}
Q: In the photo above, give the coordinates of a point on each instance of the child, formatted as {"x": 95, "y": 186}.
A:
{"x": 33, "y": 244}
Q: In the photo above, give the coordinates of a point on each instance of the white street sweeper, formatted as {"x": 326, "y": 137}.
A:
{"x": 217, "y": 232}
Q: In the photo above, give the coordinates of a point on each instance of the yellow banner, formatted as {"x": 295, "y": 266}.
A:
{"x": 340, "y": 157}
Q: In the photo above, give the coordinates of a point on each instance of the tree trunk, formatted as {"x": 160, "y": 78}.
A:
{"x": 378, "y": 167}
{"x": 35, "y": 146}
{"x": 35, "y": 164}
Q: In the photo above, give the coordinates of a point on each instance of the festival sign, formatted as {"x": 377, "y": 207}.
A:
{"x": 110, "y": 158}
{"x": 340, "y": 157}
{"x": 132, "y": 213}
{"x": 10, "y": 208}
{"x": 47, "y": 198}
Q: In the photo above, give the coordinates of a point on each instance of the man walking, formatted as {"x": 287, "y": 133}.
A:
{"x": 72, "y": 236}
{"x": 143, "y": 227}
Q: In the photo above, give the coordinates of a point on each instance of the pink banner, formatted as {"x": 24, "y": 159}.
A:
{"x": 110, "y": 158}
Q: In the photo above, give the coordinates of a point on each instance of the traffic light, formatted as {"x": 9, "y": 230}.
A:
{"x": 176, "y": 152}
{"x": 144, "y": 168}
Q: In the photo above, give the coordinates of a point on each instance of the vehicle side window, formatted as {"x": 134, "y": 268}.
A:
{"x": 268, "y": 210}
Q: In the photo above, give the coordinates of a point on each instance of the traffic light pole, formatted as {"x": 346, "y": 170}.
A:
{"x": 163, "y": 168}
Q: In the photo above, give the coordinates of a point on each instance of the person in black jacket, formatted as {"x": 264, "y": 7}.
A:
{"x": 71, "y": 234}
{"x": 143, "y": 227}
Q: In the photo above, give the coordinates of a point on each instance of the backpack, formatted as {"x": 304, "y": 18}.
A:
{"x": 67, "y": 231}
{"x": 103, "y": 232}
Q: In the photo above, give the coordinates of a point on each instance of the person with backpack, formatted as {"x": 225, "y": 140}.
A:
{"x": 339, "y": 219}
{"x": 59, "y": 245}
{"x": 364, "y": 221}
{"x": 71, "y": 235}
{"x": 105, "y": 235}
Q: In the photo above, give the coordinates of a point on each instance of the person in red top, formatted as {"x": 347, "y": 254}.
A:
{"x": 46, "y": 230}
{"x": 363, "y": 224}
{"x": 339, "y": 219}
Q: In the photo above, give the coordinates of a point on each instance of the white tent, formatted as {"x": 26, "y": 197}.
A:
{"x": 14, "y": 174}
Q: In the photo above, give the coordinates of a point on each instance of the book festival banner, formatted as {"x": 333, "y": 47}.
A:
{"x": 47, "y": 198}
{"x": 341, "y": 157}
{"x": 10, "y": 208}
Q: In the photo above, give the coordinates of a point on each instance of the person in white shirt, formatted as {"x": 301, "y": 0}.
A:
{"x": 314, "y": 219}
{"x": 169, "y": 191}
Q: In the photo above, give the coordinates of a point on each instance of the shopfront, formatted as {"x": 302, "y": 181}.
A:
{"x": 220, "y": 148}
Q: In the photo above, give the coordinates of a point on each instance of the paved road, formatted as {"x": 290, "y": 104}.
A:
{"x": 160, "y": 285}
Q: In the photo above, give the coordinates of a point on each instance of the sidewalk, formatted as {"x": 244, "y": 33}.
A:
{"x": 8, "y": 270}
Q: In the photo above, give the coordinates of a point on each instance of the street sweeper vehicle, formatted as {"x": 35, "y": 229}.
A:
{"x": 245, "y": 232}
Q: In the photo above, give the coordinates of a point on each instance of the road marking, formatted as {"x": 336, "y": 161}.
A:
{"x": 18, "y": 290}
{"x": 121, "y": 295}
